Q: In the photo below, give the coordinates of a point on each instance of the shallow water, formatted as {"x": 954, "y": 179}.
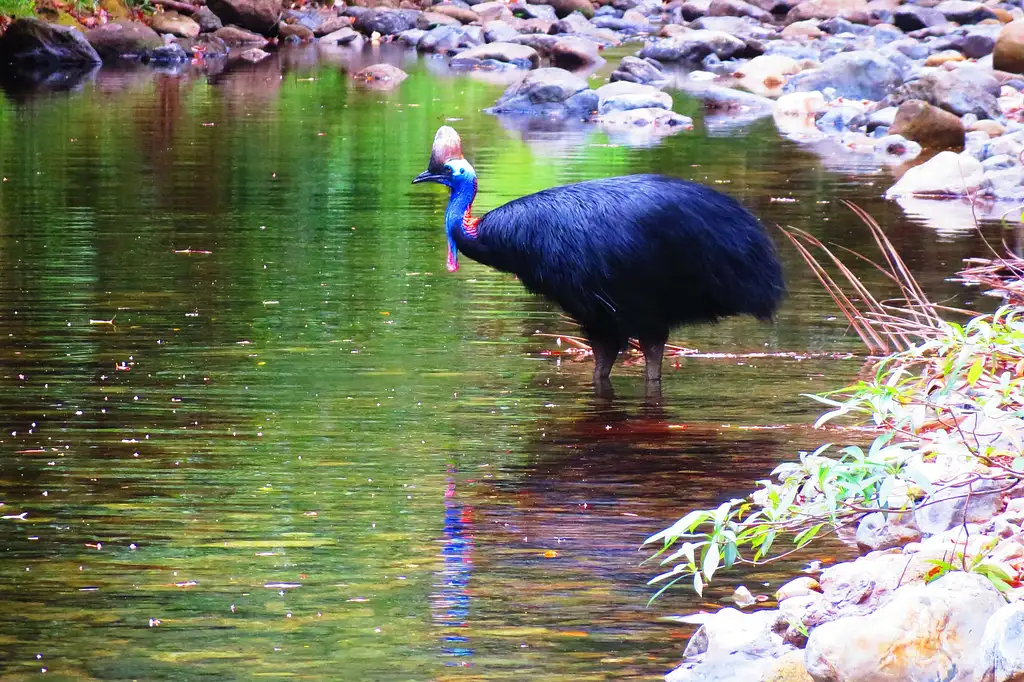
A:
{"x": 252, "y": 428}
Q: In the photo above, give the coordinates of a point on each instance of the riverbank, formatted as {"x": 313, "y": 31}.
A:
{"x": 937, "y": 504}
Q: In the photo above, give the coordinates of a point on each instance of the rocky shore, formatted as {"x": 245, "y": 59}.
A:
{"x": 878, "y": 77}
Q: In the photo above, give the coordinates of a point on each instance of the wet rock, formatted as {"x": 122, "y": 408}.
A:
{"x": 207, "y": 20}
{"x": 738, "y": 8}
{"x": 954, "y": 505}
{"x": 209, "y": 46}
{"x": 295, "y": 33}
{"x": 636, "y": 70}
{"x": 385, "y": 21}
{"x": 964, "y": 12}
{"x": 550, "y": 92}
{"x": 945, "y": 174}
{"x": 332, "y": 25}
{"x": 859, "y": 75}
{"x": 175, "y": 24}
{"x": 880, "y": 531}
{"x": 443, "y": 39}
{"x": 927, "y": 632}
{"x": 234, "y": 36}
{"x": 123, "y": 40}
{"x": 1002, "y": 655}
{"x": 766, "y": 74}
{"x": 253, "y": 55}
{"x": 29, "y": 42}
{"x": 932, "y": 128}
{"x": 258, "y": 16}
{"x": 573, "y": 52}
{"x": 564, "y": 8}
{"x": 1008, "y": 53}
{"x": 499, "y": 31}
{"x": 694, "y": 47}
{"x": 825, "y": 9}
{"x": 344, "y": 36}
{"x": 512, "y": 53}
{"x": 732, "y": 646}
{"x": 909, "y": 18}
{"x": 623, "y": 96}
{"x": 382, "y": 76}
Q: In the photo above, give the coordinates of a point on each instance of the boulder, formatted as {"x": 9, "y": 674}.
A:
{"x": 175, "y": 24}
{"x": 947, "y": 174}
{"x": 909, "y": 18}
{"x": 636, "y": 70}
{"x": 1008, "y": 53}
{"x": 384, "y": 76}
{"x": 234, "y": 36}
{"x": 123, "y": 40}
{"x": 33, "y": 42}
{"x": 523, "y": 56}
{"x": 825, "y": 9}
{"x": 258, "y": 16}
{"x": 385, "y": 21}
{"x": 550, "y": 92}
{"x": 207, "y": 20}
{"x": 623, "y": 96}
{"x": 732, "y": 646}
{"x": 1002, "y": 651}
{"x": 926, "y": 633}
{"x": 952, "y": 506}
{"x": 574, "y": 52}
{"x": 694, "y": 47}
{"x": 862, "y": 74}
{"x": 964, "y": 12}
{"x": 932, "y": 128}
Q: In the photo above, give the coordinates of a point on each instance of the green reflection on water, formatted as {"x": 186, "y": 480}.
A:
{"x": 255, "y": 430}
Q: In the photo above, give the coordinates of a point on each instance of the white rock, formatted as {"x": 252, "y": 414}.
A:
{"x": 732, "y": 647}
{"x": 1002, "y": 645}
{"x": 767, "y": 73}
{"x": 926, "y": 633}
{"x": 743, "y": 597}
{"x": 945, "y": 174}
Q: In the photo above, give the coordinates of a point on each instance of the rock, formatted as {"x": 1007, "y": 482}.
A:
{"x": 909, "y": 18}
{"x": 738, "y": 8}
{"x": 807, "y": 29}
{"x": 36, "y": 43}
{"x": 550, "y": 92}
{"x": 1008, "y": 53}
{"x": 629, "y": 25}
{"x": 564, "y": 8}
{"x": 499, "y": 31}
{"x": 693, "y": 47}
{"x": 841, "y": 115}
{"x": 977, "y": 45}
{"x": 927, "y": 632}
{"x": 384, "y": 21}
{"x": 332, "y": 25}
{"x": 169, "y": 55}
{"x": 798, "y": 587}
{"x": 940, "y": 58}
{"x": 623, "y": 96}
{"x": 428, "y": 20}
{"x": 859, "y": 75}
{"x": 573, "y": 52}
{"x": 636, "y": 70}
{"x": 766, "y": 74}
{"x": 511, "y": 53}
{"x": 175, "y": 24}
{"x": 239, "y": 37}
{"x": 381, "y": 76}
{"x": 743, "y": 28}
{"x": 295, "y": 33}
{"x": 655, "y": 121}
{"x": 876, "y": 531}
{"x": 463, "y": 14}
{"x": 493, "y": 11}
{"x": 443, "y": 39}
{"x": 207, "y": 20}
{"x": 253, "y": 55}
{"x": 952, "y": 506}
{"x": 743, "y": 598}
{"x": 899, "y": 147}
{"x": 1002, "y": 654}
{"x": 824, "y": 9}
{"x": 574, "y": 23}
{"x": 968, "y": 89}
{"x": 528, "y": 11}
{"x": 788, "y": 668}
{"x": 344, "y": 36}
{"x": 932, "y": 128}
{"x": 964, "y": 12}
{"x": 123, "y": 40}
{"x": 258, "y": 16}
{"x": 732, "y": 646}
{"x": 945, "y": 174}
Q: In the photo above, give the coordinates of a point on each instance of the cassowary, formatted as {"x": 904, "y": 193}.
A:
{"x": 626, "y": 257}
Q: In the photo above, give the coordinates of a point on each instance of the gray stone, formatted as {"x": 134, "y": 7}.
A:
{"x": 623, "y": 96}
{"x": 346, "y": 36}
{"x": 947, "y": 174}
{"x": 952, "y": 506}
{"x": 385, "y": 21}
{"x": 35, "y": 42}
{"x": 636, "y": 70}
{"x": 550, "y": 92}
{"x": 738, "y": 8}
{"x": 1002, "y": 645}
{"x": 881, "y": 117}
{"x": 743, "y": 28}
{"x": 172, "y": 54}
{"x": 499, "y": 32}
{"x": 693, "y": 46}
{"x": 626, "y": 26}
{"x": 859, "y": 75}
{"x": 511, "y": 53}
{"x": 964, "y": 12}
{"x": 1002, "y": 183}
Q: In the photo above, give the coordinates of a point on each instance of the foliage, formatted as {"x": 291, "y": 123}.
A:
{"x": 17, "y": 8}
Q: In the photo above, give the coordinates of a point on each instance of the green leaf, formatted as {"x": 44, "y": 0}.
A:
{"x": 974, "y": 373}
{"x": 698, "y": 584}
{"x": 808, "y": 535}
{"x": 711, "y": 560}
{"x": 730, "y": 554}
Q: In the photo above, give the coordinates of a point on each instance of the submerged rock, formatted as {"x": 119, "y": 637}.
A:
{"x": 32, "y": 42}
{"x": 381, "y": 76}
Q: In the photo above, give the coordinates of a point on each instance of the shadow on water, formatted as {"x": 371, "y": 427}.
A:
{"x": 250, "y": 427}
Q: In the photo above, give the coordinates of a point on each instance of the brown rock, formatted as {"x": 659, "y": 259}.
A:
{"x": 239, "y": 37}
{"x": 573, "y": 52}
{"x": 466, "y": 16}
{"x": 929, "y": 126}
{"x": 331, "y": 25}
{"x": 564, "y": 8}
{"x": 1002, "y": 15}
{"x": 669, "y": 30}
{"x": 122, "y": 39}
{"x": 1008, "y": 54}
{"x": 295, "y": 33}
{"x": 940, "y": 58}
{"x": 175, "y": 24}
{"x": 259, "y": 16}
{"x": 993, "y": 128}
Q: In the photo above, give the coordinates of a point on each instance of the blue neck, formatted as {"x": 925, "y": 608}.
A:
{"x": 459, "y": 201}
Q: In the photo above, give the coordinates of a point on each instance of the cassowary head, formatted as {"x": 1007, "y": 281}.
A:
{"x": 448, "y": 167}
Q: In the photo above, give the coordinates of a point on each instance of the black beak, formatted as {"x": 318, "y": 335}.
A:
{"x": 427, "y": 176}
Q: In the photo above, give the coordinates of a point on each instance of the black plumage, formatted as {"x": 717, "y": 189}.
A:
{"x": 626, "y": 257}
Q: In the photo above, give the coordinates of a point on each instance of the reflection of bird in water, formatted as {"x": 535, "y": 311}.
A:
{"x": 626, "y": 257}
{"x": 451, "y": 604}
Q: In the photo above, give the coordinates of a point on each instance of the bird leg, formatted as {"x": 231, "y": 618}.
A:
{"x": 653, "y": 351}
{"x": 605, "y": 353}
